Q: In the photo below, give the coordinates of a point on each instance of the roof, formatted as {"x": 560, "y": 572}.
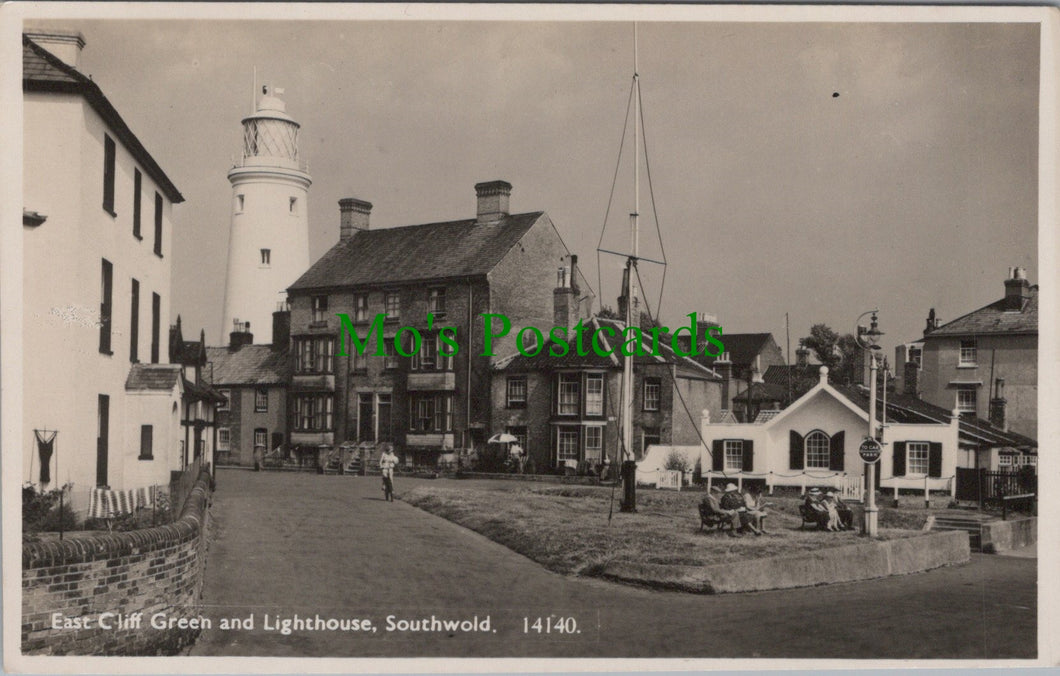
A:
{"x": 249, "y": 365}
{"x": 44, "y": 72}
{"x": 158, "y": 377}
{"x": 994, "y": 318}
{"x": 188, "y": 352}
{"x": 417, "y": 253}
{"x": 764, "y": 392}
{"x": 777, "y": 374}
{"x": 202, "y": 392}
{"x": 545, "y": 361}
{"x": 904, "y": 408}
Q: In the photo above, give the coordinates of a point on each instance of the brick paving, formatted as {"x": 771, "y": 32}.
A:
{"x": 304, "y": 544}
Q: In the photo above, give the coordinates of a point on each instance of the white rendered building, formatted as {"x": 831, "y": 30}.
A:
{"x": 97, "y": 234}
{"x": 268, "y": 248}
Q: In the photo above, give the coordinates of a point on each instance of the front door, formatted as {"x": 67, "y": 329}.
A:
{"x": 366, "y": 418}
{"x": 102, "y": 439}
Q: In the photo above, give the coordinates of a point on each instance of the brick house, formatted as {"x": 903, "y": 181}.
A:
{"x": 428, "y": 405}
{"x": 565, "y": 409}
{"x": 255, "y": 380}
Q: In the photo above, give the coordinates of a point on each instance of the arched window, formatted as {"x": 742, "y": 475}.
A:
{"x": 817, "y": 450}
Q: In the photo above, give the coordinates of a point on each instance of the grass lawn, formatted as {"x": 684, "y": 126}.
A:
{"x": 565, "y": 528}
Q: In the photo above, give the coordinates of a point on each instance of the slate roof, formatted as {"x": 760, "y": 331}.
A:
{"x": 777, "y": 374}
{"x": 44, "y": 72}
{"x": 544, "y": 361}
{"x": 417, "y": 253}
{"x": 152, "y": 377}
{"x": 742, "y": 348}
{"x": 904, "y": 408}
{"x": 994, "y": 318}
{"x": 765, "y": 392}
{"x": 249, "y": 365}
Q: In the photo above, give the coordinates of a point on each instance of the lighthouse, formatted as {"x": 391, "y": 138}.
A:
{"x": 268, "y": 247}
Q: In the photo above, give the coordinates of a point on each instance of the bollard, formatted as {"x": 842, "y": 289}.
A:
{"x": 896, "y": 493}
{"x": 804, "y": 483}
{"x": 709, "y": 481}
{"x": 739, "y": 483}
{"x": 769, "y": 481}
{"x": 927, "y": 495}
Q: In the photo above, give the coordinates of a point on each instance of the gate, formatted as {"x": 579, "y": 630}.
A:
{"x": 852, "y": 488}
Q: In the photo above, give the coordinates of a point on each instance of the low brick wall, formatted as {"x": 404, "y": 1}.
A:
{"x": 98, "y": 595}
{"x": 1001, "y": 536}
{"x": 826, "y": 566}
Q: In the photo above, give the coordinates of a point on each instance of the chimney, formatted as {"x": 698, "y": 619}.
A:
{"x": 911, "y": 379}
{"x": 353, "y": 217}
{"x": 281, "y": 329}
{"x": 704, "y": 323}
{"x": 998, "y": 405}
{"x": 802, "y": 356}
{"x": 724, "y": 368}
{"x": 240, "y": 335}
{"x": 1017, "y": 289}
{"x": 565, "y": 297}
{"x": 66, "y": 45}
{"x": 493, "y": 199}
{"x": 932, "y": 322}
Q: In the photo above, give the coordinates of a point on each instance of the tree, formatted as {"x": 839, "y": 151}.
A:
{"x": 840, "y": 353}
{"x": 606, "y": 312}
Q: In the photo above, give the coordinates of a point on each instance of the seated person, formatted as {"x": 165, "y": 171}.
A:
{"x": 829, "y": 502}
{"x": 752, "y": 500}
{"x": 815, "y": 507}
{"x": 846, "y": 514}
{"x": 734, "y": 501}
{"x": 731, "y": 514}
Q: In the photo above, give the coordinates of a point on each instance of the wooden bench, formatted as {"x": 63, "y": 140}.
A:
{"x": 714, "y": 517}
{"x": 810, "y": 515}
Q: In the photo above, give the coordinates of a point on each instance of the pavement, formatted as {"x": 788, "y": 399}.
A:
{"x": 1027, "y": 552}
{"x": 330, "y": 547}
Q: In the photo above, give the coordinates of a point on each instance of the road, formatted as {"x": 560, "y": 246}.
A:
{"x": 329, "y": 546}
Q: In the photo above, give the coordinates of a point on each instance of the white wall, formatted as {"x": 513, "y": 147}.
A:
{"x": 64, "y": 370}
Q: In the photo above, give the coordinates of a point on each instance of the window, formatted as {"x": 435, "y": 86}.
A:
{"x": 358, "y": 361}
{"x": 266, "y": 257}
{"x": 313, "y": 412}
{"x": 137, "y": 199}
{"x": 392, "y": 302}
{"x": 109, "y": 152}
{"x": 436, "y": 302}
{"x": 134, "y": 323}
{"x": 568, "y": 394}
{"x": 360, "y": 307}
{"x": 594, "y": 443}
{"x": 516, "y": 395}
{"x": 261, "y": 438}
{"x": 734, "y": 455}
{"x": 261, "y": 400}
{"x": 966, "y": 399}
{"x": 430, "y": 412}
{"x": 390, "y": 361}
{"x": 567, "y": 448}
{"x": 384, "y": 403}
{"x": 594, "y": 394}
{"x": 430, "y": 356}
{"x": 146, "y": 442}
{"x": 315, "y": 354}
{"x": 652, "y": 387}
{"x": 916, "y": 458}
{"x": 1031, "y": 460}
{"x": 968, "y": 355}
{"x": 224, "y": 439}
{"x": 158, "y": 225}
{"x": 1004, "y": 460}
{"x": 239, "y": 203}
{"x": 227, "y": 394}
{"x": 519, "y": 433}
{"x": 105, "y": 306}
{"x": 320, "y": 308}
{"x": 156, "y": 325}
{"x": 292, "y": 205}
{"x": 817, "y": 450}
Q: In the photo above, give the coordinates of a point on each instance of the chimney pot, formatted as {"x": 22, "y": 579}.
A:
{"x": 493, "y": 198}
{"x": 353, "y": 217}
{"x": 1017, "y": 289}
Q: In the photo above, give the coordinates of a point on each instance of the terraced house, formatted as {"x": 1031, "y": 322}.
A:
{"x": 429, "y": 406}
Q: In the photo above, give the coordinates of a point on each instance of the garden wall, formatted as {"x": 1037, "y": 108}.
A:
{"x": 98, "y": 595}
{"x": 825, "y": 566}
{"x": 1001, "y": 536}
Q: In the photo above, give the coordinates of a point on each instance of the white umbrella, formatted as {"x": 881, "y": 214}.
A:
{"x": 501, "y": 438}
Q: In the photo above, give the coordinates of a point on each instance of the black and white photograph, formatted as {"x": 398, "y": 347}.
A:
{"x": 679, "y": 337}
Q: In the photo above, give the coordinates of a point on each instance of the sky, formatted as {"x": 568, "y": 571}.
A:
{"x": 811, "y": 169}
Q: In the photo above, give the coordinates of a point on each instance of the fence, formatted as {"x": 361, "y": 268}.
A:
{"x": 982, "y": 486}
{"x": 851, "y": 486}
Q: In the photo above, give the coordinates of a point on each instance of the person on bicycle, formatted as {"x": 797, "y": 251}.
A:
{"x": 387, "y": 462}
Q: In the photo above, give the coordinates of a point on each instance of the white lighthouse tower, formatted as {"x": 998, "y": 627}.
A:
{"x": 268, "y": 247}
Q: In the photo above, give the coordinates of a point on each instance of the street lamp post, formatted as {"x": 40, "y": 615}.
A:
{"x": 868, "y": 339}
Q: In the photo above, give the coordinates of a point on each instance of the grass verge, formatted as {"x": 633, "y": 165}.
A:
{"x": 566, "y": 528}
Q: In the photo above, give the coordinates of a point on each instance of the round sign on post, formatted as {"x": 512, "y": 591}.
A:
{"x": 869, "y": 450}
